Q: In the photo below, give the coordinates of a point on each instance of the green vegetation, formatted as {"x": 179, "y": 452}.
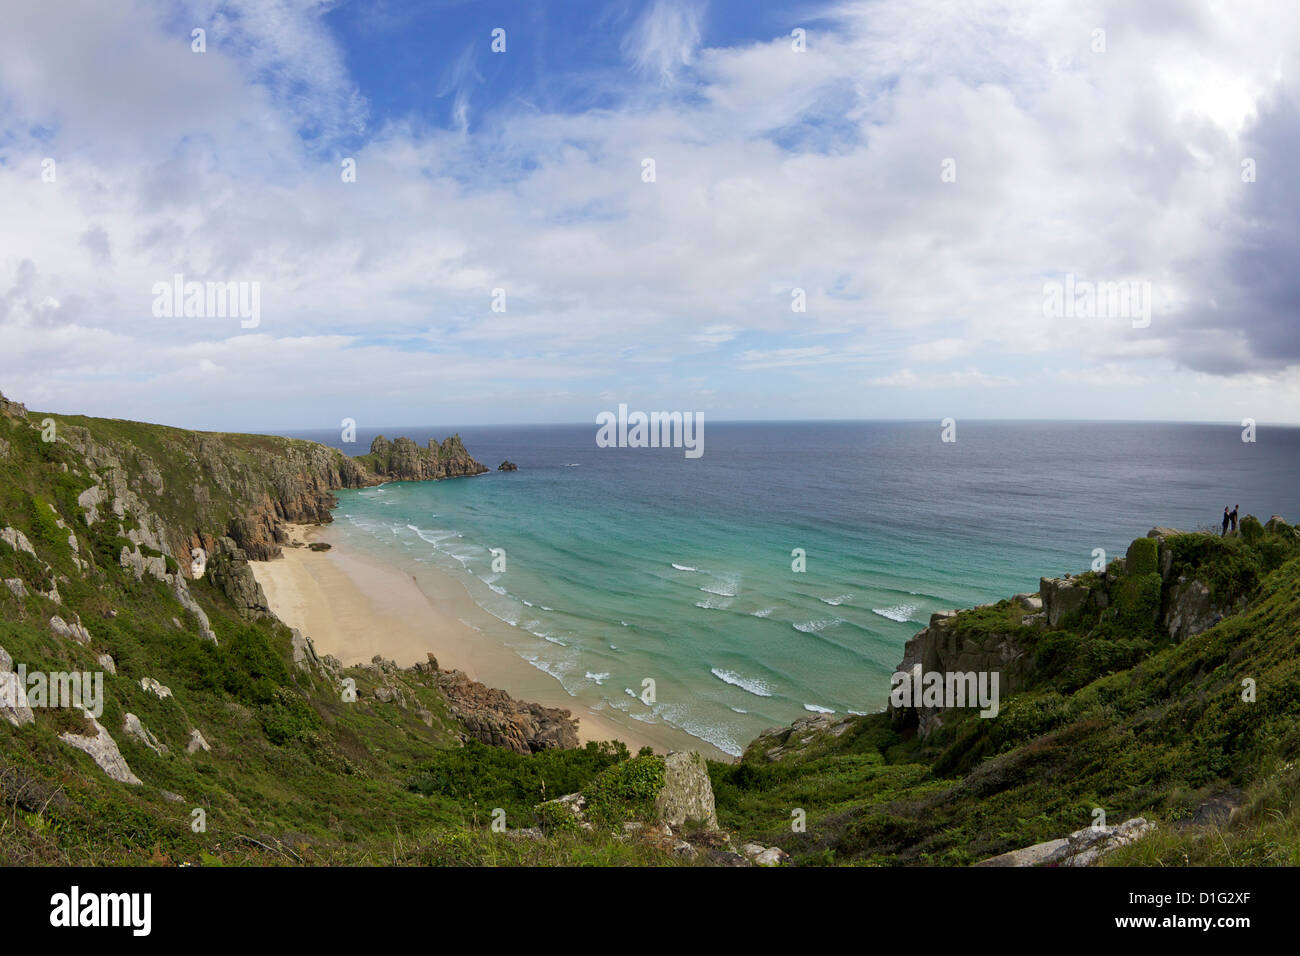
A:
{"x": 1111, "y": 714}
{"x": 1143, "y": 557}
{"x": 625, "y": 791}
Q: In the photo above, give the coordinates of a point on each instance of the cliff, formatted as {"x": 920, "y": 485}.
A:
{"x": 176, "y": 490}
{"x": 1170, "y": 586}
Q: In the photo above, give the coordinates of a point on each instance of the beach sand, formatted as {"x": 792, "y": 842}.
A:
{"x": 354, "y": 608}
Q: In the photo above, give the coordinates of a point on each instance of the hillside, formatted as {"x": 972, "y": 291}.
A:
{"x": 1166, "y": 687}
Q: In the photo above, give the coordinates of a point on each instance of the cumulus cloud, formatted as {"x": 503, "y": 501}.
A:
{"x": 917, "y": 174}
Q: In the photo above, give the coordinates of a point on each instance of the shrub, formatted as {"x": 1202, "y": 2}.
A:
{"x": 1143, "y": 557}
{"x": 494, "y": 776}
{"x": 1252, "y": 532}
{"x": 554, "y": 818}
{"x": 625, "y": 791}
{"x": 45, "y": 527}
{"x": 1137, "y": 599}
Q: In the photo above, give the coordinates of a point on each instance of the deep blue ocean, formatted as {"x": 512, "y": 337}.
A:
{"x": 631, "y": 563}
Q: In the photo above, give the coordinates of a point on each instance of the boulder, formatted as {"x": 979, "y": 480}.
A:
{"x": 760, "y": 855}
{"x": 197, "y": 742}
{"x": 1034, "y": 855}
{"x": 1030, "y": 602}
{"x": 75, "y": 631}
{"x": 17, "y": 540}
{"x": 1090, "y": 844}
{"x": 155, "y": 688}
{"x": 687, "y": 793}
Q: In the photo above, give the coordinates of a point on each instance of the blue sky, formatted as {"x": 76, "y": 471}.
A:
{"x": 920, "y": 175}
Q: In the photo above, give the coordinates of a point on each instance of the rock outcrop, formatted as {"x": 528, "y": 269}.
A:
{"x": 507, "y": 465}
{"x": 687, "y": 793}
{"x": 132, "y": 727}
{"x": 228, "y": 570}
{"x": 1081, "y": 848}
{"x": 12, "y": 409}
{"x": 103, "y": 750}
{"x": 13, "y": 695}
{"x": 775, "y": 742}
{"x": 404, "y": 460}
{"x": 494, "y": 717}
{"x": 944, "y": 647}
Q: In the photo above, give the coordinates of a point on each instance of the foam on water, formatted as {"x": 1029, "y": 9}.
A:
{"x": 899, "y": 612}
{"x": 755, "y": 686}
{"x": 817, "y": 626}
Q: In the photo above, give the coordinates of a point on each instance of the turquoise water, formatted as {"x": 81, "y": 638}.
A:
{"x": 628, "y": 564}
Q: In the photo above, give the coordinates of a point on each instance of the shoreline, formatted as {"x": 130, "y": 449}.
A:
{"x": 354, "y": 607}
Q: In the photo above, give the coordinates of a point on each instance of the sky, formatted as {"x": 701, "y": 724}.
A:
{"x": 745, "y": 210}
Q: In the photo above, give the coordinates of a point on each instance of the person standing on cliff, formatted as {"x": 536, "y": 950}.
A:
{"x": 1227, "y": 519}
{"x": 1234, "y": 518}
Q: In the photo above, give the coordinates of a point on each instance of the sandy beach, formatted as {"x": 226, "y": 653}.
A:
{"x": 354, "y": 608}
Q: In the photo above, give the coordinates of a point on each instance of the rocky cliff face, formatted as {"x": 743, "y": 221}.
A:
{"x": 404, "y": 460}
{"x": 1150, "y": 591}
{"x": 187, "y": 489}
{"x": 494, "y": 717}
{"x": 181, "y": 490}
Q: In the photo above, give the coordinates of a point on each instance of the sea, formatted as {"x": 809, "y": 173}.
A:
{"x": 780, "y": 573}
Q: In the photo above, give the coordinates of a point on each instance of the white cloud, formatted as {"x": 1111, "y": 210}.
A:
{"x": 775, "y": 170}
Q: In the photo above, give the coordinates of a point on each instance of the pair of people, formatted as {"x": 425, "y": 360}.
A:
{"x": 1230, "y": 519}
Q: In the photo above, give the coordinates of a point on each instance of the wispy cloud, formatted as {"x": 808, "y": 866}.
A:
{"x": 665, "y": 38}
